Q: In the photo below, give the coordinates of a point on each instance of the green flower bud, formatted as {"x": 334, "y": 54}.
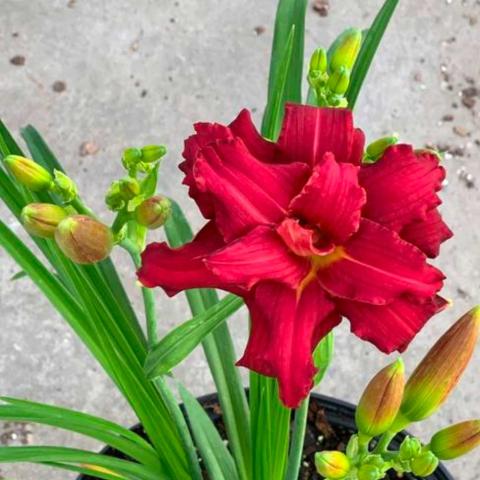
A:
{"x": 369, "y": 472}
{"x": 318, "y": 61}
{"x": 376, "y": 149}
{"x": 410, "y": 448}
{"x": 64, "y": 186}
{"x": 425, "y": 464}
{"x": 381, "y": 400}
{"x": 456, "y": 440}
{"x": 439, "y": 372}
{"x": 41, "y": 219}
{"x": 352, "y": 447}
{"x": 152, "y": 153}
{"x": 114, "y": 198}
{"x": 345, "y": 49}
{"x": 338, "y": 81}
{"x": 29, "y": 173}
{"x": 130, "y": 157}
{"x": 332, "y": 464}
{"x": 83, "y": 239}
{"x": 153, "y": 212}
{"x": 128, "y": 188}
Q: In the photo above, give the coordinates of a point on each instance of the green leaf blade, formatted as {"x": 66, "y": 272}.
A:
{"x": 367, "y": 52}
{"x": 181, "y": 341}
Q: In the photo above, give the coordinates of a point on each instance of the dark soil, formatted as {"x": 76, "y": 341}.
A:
{"x": 330, "y": 425}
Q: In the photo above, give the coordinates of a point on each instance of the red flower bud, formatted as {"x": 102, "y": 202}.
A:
{"x": 440, "y": 370}
{"x": 381, "y": 400}
{"x": 41, "y": 219}
{"x": 456, "y": 440}
{"x": 153, "y": 212}
{"x": 83, "y": 239}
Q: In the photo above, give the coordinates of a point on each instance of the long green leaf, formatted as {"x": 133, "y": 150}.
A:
{"x": 368, "y": 50}
{"x": 36, "y": 454}
{"x": 181, "y": 341}
{"x": 290, "y": 13}
{"x": 272, "y": 119}
{"x": 218, "y": 460}
{"x": 106, "y": 432}
{"x": 220, "y": 354}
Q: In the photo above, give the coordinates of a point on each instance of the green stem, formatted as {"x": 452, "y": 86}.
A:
{"x": 384, "y": 442}
{"x": 298, "y": 437}
{"x": 147, "y": 294}
{"x": 81, "y": 208}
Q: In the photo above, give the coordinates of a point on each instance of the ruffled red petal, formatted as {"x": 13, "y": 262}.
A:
{"x": 206, "y": 133}
{"x": 260, "y": 148}
{"x": 427, "y": 234}
{"x": 176, "y": 269}
{"x": 393, "y": 326}
{"x": 376, "y": 266}
{"x": 245, "y": 192}
{"x": 259, "y": 255}
{"x": 401, "y": 187}
{"x": 285, "y": 331}
{"x": 332, "y": 199}
{"x": 309, "y": 132}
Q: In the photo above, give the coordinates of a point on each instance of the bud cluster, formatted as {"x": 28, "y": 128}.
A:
{"x": 82, "y": 238}
{"x": 389, "y": 404}
{"x": 329, "y": 73}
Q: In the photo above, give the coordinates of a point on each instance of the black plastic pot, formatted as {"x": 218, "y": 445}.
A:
{"x": 339, "y": 414}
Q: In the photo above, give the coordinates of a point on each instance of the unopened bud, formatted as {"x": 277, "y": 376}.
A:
{"x": 376, "y": 149}
{"x": 332, "y": 464}
{"x": 338, "y": 81}
{"x": 153, "y": 212}
{"x": 128, "y": 188}
{"x": 369, "y": 472}
{"x": 457, "y": 440}
{"x": 83, "y": 239}
{"x": 152, "y": 153}
{"x": 439, "y": 372}
{"x": 41, "y": 219}
{"x": 425, "y": 464}
{"x": 130, "y": 157}
{"x": 29, "y": 173}
{"x": 64, "y": 186}
{"x": 345, "y": 49}
{"x": 318, "y": 62}
{"x": 410, "y": 448}
{"x": 381, "y": 400}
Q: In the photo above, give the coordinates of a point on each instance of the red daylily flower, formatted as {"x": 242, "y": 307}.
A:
{"x": 307, "y": 235}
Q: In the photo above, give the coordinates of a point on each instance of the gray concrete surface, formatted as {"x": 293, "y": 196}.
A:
{"x": 142, "y": 71}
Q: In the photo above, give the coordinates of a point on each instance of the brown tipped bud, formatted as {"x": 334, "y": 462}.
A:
{"x": 83, "y": 239}
{"x": 425, "y": 464}
{"x": 332, "y": 464}
{"x": 29, "y": 173}
{"x": 381, "y": 400}
{"x": 153, "y": 212}
{"x": 439, "y": 372}
{"x": 457, "y": 440}
{"x": 41, "y": 219}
